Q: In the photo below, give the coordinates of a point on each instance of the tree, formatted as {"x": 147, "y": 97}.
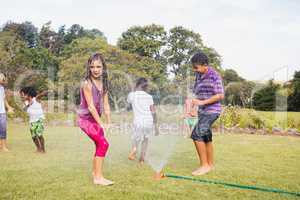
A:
{"x": 59, "y": 41}
{"x": 239, "y": 93}
{"x": 145, "y": 41}
{"x": 93, "y": 33}
{"x": 265, "y": 99}
{"x": 123, "y": 67}
{"x": 294, "y": 98}
{"x": 26, "y": 30}
{"x": 47, "y": 36}
{"x": 181, "y": 45}
{"x": 231, "y": 75}
{"x": 11, "y": 46}
{"x": 76, "y": 31}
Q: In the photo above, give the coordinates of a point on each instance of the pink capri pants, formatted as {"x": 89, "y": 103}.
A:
{"x": 96, "y": 133}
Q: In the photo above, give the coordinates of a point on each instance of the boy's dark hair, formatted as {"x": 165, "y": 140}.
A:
{"x": 29, "y": 91}
{"x": 199, "y": 58}
{"x": 142, "y": 82}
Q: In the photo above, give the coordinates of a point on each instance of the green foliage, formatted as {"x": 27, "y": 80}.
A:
{"x": 234, "y": 116}
{"x": 252, "y": 119}
{"x": 294, "y": 98}
{"x": 47, "y": 36}
{"x": 239, "y": 93}
{"x": 181, "y": 45}
{"x": 265, "y": 99}
{"x": 77, "y": 31}
{"x": 18, "y": 110}
{"x": 11, "y": 56}
{"x": 144, "y": 40}
{"x": 230, "y": 117}
{"x": 26, "y": 30}
{"x": 173, "y": 49}
{"x": 49, "y": 58}
{"x": 230, "y": 75}
{"x": 123, "y": 67}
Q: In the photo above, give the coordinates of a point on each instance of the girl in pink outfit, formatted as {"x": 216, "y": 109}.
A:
{"x": 94, "y": 103}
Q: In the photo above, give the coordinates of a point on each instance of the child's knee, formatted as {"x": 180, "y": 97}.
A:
{"x": 102, "y": 143}
{"x": 101, "y": 148}
{"x": 105, "y": 145}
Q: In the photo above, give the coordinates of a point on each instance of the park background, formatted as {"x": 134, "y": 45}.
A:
{"x": 55, "y": 61}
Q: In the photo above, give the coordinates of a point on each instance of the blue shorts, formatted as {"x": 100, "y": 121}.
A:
{"x": 2, "y": 126}
{"x": 202, "y": 131}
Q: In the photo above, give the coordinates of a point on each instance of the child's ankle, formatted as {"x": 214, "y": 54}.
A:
{"x": 205, "y": 166}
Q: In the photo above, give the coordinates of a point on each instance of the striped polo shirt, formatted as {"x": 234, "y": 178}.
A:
{"x": 206, "y": 86}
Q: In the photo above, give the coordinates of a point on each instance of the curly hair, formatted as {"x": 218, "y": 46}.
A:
{"x": 199, "y": 58}
{"x": 29, "y": 91}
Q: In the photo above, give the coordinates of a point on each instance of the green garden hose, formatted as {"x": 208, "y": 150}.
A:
{"x": 246, "y": 187}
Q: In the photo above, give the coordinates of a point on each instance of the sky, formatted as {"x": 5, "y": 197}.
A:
{"x": 260, "y": 39}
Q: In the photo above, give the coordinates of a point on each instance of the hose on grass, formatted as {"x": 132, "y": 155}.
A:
{"x": 245, "y": 187}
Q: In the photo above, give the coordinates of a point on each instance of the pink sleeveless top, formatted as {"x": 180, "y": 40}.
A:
{"x": 83, "y": 111}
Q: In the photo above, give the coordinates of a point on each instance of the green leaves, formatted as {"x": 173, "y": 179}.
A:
{"x": 173, "y": 49}
{"x": 145, "y": 41}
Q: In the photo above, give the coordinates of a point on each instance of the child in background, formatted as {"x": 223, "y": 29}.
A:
{"x": 190, "y": 115}
{"x": 3, "y": 122}
{"x": 36, "y": 117}
{"x": 144, "y": 118}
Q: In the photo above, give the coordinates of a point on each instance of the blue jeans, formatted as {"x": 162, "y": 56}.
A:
{"x": 2, "y": 126}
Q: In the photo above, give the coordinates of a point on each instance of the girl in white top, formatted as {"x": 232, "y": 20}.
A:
{"x": 3, "y": 122}
{"x": 36, "y": 117}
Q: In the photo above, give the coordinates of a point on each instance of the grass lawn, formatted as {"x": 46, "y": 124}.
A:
{"x": 65, "y": 171}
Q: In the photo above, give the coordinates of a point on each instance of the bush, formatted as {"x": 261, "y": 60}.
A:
{"x": 233, "y": 116}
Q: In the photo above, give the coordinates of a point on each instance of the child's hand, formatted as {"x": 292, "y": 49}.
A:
{"x": 26, "y": 103}
{"x": 10, "y": 110}
{"x": 198, "y": 102}
{"x": 106, "y": 128}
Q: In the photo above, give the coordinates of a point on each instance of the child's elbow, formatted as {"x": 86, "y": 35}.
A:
{"x": 221, "y": 96}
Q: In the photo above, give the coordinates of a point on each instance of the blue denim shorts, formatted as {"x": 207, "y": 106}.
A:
{"x": 2, "y": 125}
{"x": 202, "y": 131}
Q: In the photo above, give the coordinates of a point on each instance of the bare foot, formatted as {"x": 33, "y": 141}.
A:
{"x": 102, "y": 181}
{"x": 132, "y": 155}
{"x": 201, "y": 171}
{"x": 4, "y": 149}
{"x": 142, "y": 162}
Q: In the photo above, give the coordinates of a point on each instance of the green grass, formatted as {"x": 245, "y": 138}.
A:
{"x": 65, "y": 171}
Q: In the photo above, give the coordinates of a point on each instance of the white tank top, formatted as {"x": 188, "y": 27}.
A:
{"x": 2, "y": 99}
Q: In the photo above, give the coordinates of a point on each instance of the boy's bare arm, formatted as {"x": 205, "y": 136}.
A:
{"x": 213, "y": 99}
{"x": 40, "y": 95}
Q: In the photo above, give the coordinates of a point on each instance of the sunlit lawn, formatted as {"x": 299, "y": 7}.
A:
{"x": 65, "y": 171}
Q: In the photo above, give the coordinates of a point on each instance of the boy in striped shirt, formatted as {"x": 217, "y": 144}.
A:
{"x": 209, "y": 91}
